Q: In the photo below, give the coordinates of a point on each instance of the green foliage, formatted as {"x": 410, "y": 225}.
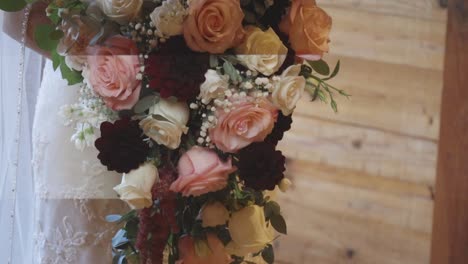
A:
{"x": 278, "y": 223}
{"x": 45, "y": 37}
{"x": 317, "y": 86}
{"x": 72, "y": 76}
{"x": 14, "y": 5}
{"x": 123, "y": 242}
{"x": 268, "y": 254}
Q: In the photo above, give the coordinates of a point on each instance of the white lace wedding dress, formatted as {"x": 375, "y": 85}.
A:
{"x": 73, "y": 190}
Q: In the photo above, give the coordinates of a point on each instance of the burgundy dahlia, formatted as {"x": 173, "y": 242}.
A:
{"x": 261, "y": 166}
{"x": 283, "y": 124}
{"x": 177, "y": 71}
{"x": 121, "y": 146}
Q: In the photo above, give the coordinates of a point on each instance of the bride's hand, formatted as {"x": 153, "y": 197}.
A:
{"x": 13, "y": 21}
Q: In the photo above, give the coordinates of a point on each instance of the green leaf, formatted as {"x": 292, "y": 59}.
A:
{"x": 334, "y": 73}
{"x": 334, "y": 105}
{"x": 12, "y": 5}
{"x": 278, "y": 222}
{"x": 320, "y": 66}
{"x": 268, "y": 255}
{"x": 42, "y": 37}
{"x": 56, "y": 59}
{"x": 56, "y": 35}
{"x": 271, "y": 208}
{"x": 72, "y": 76}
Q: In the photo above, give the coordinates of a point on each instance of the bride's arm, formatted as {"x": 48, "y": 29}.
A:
{"x": 13, "y": 21}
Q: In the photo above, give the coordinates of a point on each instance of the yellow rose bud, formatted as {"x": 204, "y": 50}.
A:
{"x": 262, "y": 51}
{"x": 249, "y": 231}
{"x": 285, "y": 184}
{"x": 214, "y": 214}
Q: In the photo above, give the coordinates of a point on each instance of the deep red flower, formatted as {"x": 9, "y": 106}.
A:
{"x": 261, "y": 166}
{"x": 175, "y": 70}
{"x": 283, "y": 124}
{"x": 121, "y": 146}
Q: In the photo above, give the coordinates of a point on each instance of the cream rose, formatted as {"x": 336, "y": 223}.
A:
{"x": 249, "y": 231}
{"x": 136, "y": 186}
{"x": 213, "y": 25}
{"x": 121, "y": 11}
{"x": 214, "y": 86}
{"x": 288, "y": 90}
{"x": 262, "y": 51}
{"x": 166, "y": 122}
{"x": 214, "y": 214}
{"x": 169, "y": 18}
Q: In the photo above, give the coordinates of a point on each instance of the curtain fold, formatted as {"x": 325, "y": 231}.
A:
{"x": 17, "y": 106}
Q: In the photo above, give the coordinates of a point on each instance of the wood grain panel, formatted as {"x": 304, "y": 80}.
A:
{"x": 367, "y": 150}
{"x": 331, "y": 222}
{"x": 422, "y": 9}
{"x": 386, "y": 38}
{"x": 395, "y": 98}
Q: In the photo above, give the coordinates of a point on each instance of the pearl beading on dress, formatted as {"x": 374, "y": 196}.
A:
{"x": 24, "y": 28}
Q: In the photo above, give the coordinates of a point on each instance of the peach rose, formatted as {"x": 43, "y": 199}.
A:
{"x": 308, "y": 27}
{"x": 250, "y": 121}
{"x": 112, "y": 72}
{"x": 213, "y": 25}
{"x": 210, "y": 251}
{"x": 201, "y": 171}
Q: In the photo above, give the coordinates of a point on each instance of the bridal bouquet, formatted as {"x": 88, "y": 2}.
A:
{"x": 188, "y": 99}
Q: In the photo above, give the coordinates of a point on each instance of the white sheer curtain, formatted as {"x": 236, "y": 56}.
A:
{"x": 17, "y": 105}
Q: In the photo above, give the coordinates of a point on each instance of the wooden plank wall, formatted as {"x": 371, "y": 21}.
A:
{"x": 364, "y": 178}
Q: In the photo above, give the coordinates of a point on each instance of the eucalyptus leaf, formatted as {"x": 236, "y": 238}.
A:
{"x": 12, "y": 5}
{"x": 278, "y": 223}
{"x": 214, "y": 62}
{"x": 43, "y": 39}
{"x": 113, "y": 218}
{"x": 320, "y": 66}
{"x": 145, "y": 103}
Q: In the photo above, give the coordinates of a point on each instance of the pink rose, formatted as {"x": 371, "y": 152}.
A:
{"x": 201, "y": 171}
{"x": 112, "y": 72}
{"x": 212, "y": 252}
{"x": 213, "y": 25}
{"x": 250, "y": 121}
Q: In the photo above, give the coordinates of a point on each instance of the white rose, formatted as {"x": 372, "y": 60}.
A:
{"x": 262, "y": 51}
{"x": 214, "y": 214}
{"x": 169, "y": 18}
{"x": 249, "y": 231}
{"x": 121, "y": 11}
{"x": 288, "y": 90}
{"x": 76, "y": 62}
{"x": 136, "y": 186}
{"x": 166, "y": 122}
{"x": 214, "y": 86}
